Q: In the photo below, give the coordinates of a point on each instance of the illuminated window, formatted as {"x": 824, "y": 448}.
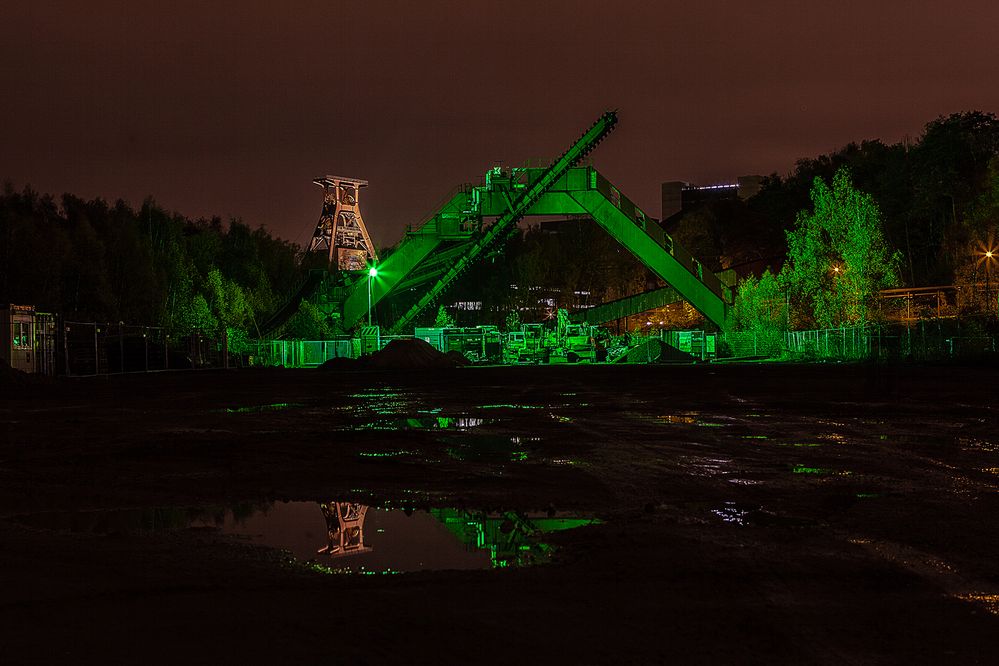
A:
{"x": 21, "y": 334}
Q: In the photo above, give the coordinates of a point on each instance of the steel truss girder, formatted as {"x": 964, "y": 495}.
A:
{"x": 560, "y": 189}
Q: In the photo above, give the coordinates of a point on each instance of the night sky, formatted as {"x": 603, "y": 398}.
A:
{"x": 233, "y": 110}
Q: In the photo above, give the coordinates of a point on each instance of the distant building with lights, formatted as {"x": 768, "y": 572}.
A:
{"x": 680, "y": 197}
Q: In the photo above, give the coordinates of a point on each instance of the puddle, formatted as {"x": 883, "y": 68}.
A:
{"x": 749, "y": 515}
{"x": 685, "y": 418}
{"x": 398, "y": 453}
{"x": 492, "y": 449}
{"x": 347, "y": 537}
{"x": 990, "y": 602}
{"x": 732, "y": 513}
{"x": 818, "y": 471}
{"x": 382, "y": 402}
{"x": 256, "y": 409}
{"x": 509, "y": 406}
{"x": 425, "y": 423}
{"x": 472, "y": 448}
{"x": 972, "y": 444}
{"x": 705, "y": 466}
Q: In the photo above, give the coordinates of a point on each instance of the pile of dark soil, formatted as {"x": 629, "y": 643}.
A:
{"x": 647, "y": 351}
{"x": 457, "y": 358}
{"x": 654, "y": 350}
{"x": 341, "y": 364}
{"x": 406, "y": 354}
{"x": 12, "y": 377}
{"x": 411, "y": 354}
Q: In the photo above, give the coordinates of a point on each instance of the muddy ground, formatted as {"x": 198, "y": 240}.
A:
{"x": 752, "y": 514}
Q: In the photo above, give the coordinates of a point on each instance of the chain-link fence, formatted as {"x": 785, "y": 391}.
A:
{"x": 841, "y": 343}
{"x": 313, "y": 353}
{"x": 303, "y": 353}
{"x": 922, "y": 341}
{"x": 95, "y": 348}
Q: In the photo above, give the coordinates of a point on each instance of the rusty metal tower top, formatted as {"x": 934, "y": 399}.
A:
{"x": 340, "y": 231}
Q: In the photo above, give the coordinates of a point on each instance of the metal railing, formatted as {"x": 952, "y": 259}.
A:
{"x": 844, "y": 343}
{"x": 922, "y": 341}
{"x": 87, "y": 348}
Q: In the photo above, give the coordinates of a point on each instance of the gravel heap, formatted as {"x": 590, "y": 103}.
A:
{"x": 403, "y": 354}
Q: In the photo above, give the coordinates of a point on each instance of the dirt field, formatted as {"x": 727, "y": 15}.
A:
{"x": 751, "y": 514}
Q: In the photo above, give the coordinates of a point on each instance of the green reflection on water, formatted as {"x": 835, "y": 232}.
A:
{"x": 425, "y": 423}
{"x": 508, "y": 406}
{"x": 512, "y": 539}
{"x": 801, "y": 469}
{"x": 384, "y": 454}
{"x": 272, "y": 407}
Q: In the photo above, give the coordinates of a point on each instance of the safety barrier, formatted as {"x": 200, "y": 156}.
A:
{"x": 923, "y": 341}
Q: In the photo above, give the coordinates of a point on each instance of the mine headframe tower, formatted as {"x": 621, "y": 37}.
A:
{"x": 344, "y": 528}
{"x": 340, "y": 231}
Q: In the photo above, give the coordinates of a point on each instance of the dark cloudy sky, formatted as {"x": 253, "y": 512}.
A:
{"x": 232, "y": 108}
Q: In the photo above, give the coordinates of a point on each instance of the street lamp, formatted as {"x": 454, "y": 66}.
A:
{"x": 988, "y": 279}
{"x": 372, "y": 273}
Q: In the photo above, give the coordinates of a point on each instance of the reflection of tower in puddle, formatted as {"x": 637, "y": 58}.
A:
{"x": 344, "y": 528}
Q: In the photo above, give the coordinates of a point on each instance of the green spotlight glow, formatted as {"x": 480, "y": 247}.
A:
{"x": 372, "y": 271}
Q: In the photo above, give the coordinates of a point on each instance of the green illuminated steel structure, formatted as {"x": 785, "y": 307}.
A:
{"x": 433, "y": 255}
{"x": 627, "y": 306}
{"x": 515, "y": 202}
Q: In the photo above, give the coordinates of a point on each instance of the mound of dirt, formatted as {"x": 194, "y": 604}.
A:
{"x": 457, "y": 358}
{"x": 12, "y": 377}
{"x": 16, "y": 384}
{"x": 404, "y": 354}
{"x": 409, "y": 354}
{"x": 654, "y": 350}
{"x": 341, "y": 364}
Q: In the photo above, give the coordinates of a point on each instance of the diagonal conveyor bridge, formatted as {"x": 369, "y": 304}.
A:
{"x": 431, "y": 257}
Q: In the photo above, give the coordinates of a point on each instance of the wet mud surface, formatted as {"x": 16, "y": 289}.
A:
{"x": 748, "y": 514}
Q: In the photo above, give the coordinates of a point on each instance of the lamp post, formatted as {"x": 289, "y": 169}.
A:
{"x": 988, "y": 279}
{"x": 372, "y": 273}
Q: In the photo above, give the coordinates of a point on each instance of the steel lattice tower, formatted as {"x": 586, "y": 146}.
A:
{"x": 340, "y": 230}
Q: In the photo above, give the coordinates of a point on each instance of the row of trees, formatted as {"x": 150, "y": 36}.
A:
{"x": 93, "y": 261}
{"x": 837, "y": 263}
{"x": 821, "y": 242}
{"x": 938, "y": 196}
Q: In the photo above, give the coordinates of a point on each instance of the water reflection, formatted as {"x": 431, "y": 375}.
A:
{"x": 256, "y": 409}
{"x": 394, "y": 540}
{"x": 492, "y": 449}
{"x": 459, "y": 423}
{"x": 344, "y": 528}
{"x": 349, "y": 537}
